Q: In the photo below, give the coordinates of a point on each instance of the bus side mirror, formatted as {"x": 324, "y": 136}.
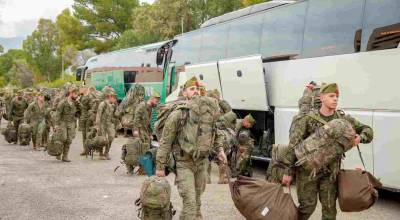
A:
{"x": 160, "y": 56}
{"x": 78, "y": 75}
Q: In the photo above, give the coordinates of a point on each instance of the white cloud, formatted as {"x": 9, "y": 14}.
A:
{"x": 20, "y": 17}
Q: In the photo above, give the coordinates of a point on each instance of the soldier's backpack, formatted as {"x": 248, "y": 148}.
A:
{"x": 133, "y": 151}
{"x": 155, "y": 199}
{"x": 276, "y": 168}
{"x": 328, "y": 143}
{"x": 55, "y": 145}
{"x": 257, "y": 199}
{"x": 164, "y": 111}
{"x": 24, "y": 134}
{"x": 95, "y": 142}
{"x": 10, "y": 134}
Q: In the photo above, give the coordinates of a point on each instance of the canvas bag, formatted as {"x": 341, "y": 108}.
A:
{"x": 55, "y": 145}
{"x": 276, "y": 169}
{"x": 155, "y": 199}
{"x": 357, "y": 189}
{"x": 24, "y": 134}
{"x": 10, "y": 134}
{"x": 260, "y": 200}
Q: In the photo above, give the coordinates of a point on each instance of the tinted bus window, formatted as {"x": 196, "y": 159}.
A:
{"x": 331, "y": 27}
{"x": 379, "y": 29}
{"x": 213, "y": 45}
{"x": 244, "y": 36}
{"x": 283, "y": 30}
{"x": 187, "y": 49}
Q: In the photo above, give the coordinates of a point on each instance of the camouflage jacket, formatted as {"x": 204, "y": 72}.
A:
{"x": 66, "y": 112}
{"x": 17, "y": 108}
{"x": 142, "y": 119}
{"x": 35, "y": 113}
{"x": 87, "y": 102}
{"x": 307, "y": 125}
{"x": 105, "y": 114}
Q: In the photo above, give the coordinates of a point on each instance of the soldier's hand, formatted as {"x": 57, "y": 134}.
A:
{"x": 287, "y": 180}
{"x": 357, "y": 140}
{"x": 160, "y": 173}
{"x": 135, "y": 133}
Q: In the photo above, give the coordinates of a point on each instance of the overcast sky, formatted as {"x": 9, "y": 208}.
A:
{"x": 19, "y": 18}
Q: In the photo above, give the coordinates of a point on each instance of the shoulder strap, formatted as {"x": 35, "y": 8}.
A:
{"x": 360, "y": 154}
{"x": 317, "y": 118}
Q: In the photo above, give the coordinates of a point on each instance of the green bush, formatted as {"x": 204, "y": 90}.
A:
{"x": 58, "y": 82}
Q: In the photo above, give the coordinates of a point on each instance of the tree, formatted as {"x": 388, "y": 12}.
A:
{"x": 23, "y": 75}
{"x": 41, "y": 48}
{"x": 246, "y": 3}
{"x": 71, "y": 32}
{"x": 1, "y": 49}
{"x": 7, "y": 61}
{"x": 105, "y": 20}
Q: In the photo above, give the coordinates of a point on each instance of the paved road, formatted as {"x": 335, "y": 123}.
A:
{"x": 34, "y": 186}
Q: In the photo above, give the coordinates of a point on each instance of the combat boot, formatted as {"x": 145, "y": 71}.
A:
{"x": 34, "y": 146}
{"x": 65, "y": 155}
{"x": 106, "y": 153}
{"x": 58, "y": 157}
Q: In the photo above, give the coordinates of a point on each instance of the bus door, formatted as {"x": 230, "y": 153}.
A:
{"x": 243, "y": 84}
{"x": 206, "y": 73}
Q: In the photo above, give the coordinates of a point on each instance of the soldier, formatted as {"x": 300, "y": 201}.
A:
{"x": 323, "y": 183}
{"x": 36, "y": 115}
{"x": 2, "y": 104}
{"x": 142, "y": 121}
{"x": 245, "y": 144}
{"x": 87, "y": 102}
{"x": 65, "y": 120}
{"x": 191, "y": 169}
{"x": 17, "y": 109}
{"x": 105, "y": 120}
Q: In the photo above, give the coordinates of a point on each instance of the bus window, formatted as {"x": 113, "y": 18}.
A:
{"x": 244, "y": 36}
{"x": 129, "y": 76}
{"x": 331, "y": 26}
{"x": 381, "y": 28}
{"x": 283, "y": 30}
{"x": 213, "y": 46}
{"x": 187, "y": 48}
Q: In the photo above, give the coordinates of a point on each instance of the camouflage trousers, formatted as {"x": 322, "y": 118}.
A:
{"x": 191, "y": 180}
{"x": 242, "y": 160}
{"x": 16, "y": 123}
{"x": 108, "y": 131}
{"x": 84, "y": 123}
{"x": 308, "y": 191}
{"x": 144, "y": 138}
{"x": 38, "y": 133}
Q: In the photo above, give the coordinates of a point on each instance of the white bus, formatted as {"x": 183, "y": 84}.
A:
{"x": 261, "y": 58}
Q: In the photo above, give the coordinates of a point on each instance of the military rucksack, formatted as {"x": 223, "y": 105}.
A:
{"x": 24, "y": 134}
{"x": 199, "y": 127}
{"x": 164, "y": 111}
{"x": 327, "y": 144}
{"x": 95, "y": 142}
{"x": 134, "y": 149}
{"x": 10, "y": 134}
{"x": 155, "y": 199}
{"x": 55, "y": 145}
{"x": 276, "y": 167}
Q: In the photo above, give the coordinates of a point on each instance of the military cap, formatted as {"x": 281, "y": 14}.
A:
{"x": 330, "y": 88}
{"x": 250, "y": 119}
{"x": 155, "y": 94}
{"x": 109, "y": 91}
{"x": 191, "y": 82}
{"x": 20, "y": 92}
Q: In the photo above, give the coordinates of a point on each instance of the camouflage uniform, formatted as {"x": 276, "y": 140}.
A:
{"x": 142, "y": 122}
{"x": 324, "y": 183}
{"x": 87, "y": 102}
{"x": 17, "y": 109}
{"x": 242, "y": 165}
{"x": 36, "y": 116}
{"x": 66, "y": 116}
{"x": 2, "y": 105}
{"x": 105, "y": 124}
{"x": 191, "y": 171}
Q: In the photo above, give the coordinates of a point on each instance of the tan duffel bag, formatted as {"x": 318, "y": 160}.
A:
{"x": 260, "y": 200}
{"x": 357, "y": 189}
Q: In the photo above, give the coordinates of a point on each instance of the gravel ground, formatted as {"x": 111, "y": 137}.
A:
{"x": 34, "y": 186}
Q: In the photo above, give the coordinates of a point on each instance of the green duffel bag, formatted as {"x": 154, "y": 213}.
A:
{"x": 24, "y": 134}
{"x": 55, "y": 145}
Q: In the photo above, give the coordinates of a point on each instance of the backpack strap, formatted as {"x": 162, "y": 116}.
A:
{"x": 360, "y": 154}
{"x": 317, "y": 118}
